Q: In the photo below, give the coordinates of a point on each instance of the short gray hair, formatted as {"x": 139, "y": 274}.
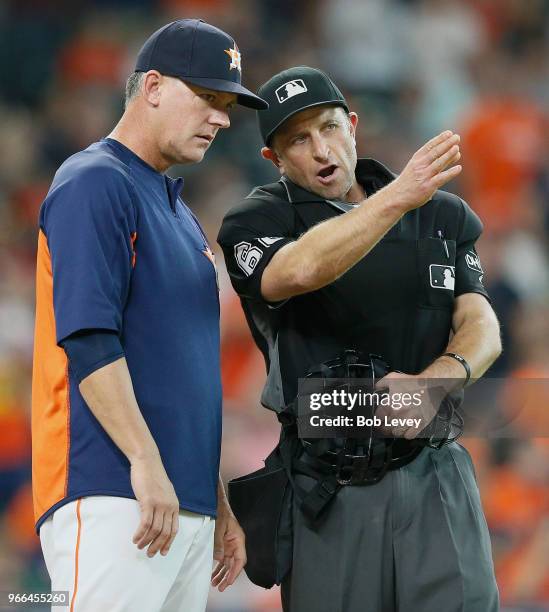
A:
{"x": 133, "y": 86}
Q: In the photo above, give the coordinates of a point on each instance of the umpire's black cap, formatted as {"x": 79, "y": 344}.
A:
{"x": 197, "y": 53}
{"x": 294, "y": 90}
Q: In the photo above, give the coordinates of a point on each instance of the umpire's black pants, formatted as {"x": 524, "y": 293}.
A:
{"x": 415, "y": 542}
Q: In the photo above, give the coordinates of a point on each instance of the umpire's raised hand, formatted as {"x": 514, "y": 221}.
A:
{"x": 431, "y": 167}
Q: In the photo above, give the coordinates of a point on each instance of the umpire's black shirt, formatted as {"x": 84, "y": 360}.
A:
{"x": 396, "y": 302}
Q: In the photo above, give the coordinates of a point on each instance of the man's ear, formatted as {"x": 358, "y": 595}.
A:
{"x": 151, "y": 87}
{"x": 270, "y": 154}
{"x": 353, "y": 122}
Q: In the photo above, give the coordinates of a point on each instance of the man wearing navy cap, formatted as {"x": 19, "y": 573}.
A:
{"x": 126, "y": 412}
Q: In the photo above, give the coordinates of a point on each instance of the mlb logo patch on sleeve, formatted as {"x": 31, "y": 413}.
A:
{"x": 290, "y": 89}
{"x": 442, "y": 277}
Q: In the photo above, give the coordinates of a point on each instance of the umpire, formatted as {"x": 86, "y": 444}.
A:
{"x": 342, "y": 254}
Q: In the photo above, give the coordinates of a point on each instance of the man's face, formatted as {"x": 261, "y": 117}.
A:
{"x": 316, "y": 150}
{"x": 189, "y": 118}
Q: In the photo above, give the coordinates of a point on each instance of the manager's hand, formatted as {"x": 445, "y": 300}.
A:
{"x": 158, "y": 504}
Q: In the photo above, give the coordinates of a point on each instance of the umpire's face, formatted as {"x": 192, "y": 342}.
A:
{"x": 316, "y": 150}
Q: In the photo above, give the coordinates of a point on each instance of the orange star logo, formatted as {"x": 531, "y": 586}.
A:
{"x": 235, "y": 56}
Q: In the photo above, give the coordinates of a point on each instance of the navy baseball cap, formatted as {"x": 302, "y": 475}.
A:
{"x": 294, "y": 90}
{"x": 197, "y": 53}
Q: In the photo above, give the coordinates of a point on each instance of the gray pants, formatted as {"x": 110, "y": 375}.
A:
{"x": 415, "y": 542}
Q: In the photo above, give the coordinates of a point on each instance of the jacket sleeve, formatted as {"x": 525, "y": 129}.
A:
{"x": 250, "y": 235}
{"x": 89, "y": 223}
{"x": 469, "y": 272}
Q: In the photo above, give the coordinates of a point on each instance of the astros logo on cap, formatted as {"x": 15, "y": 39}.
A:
{"x": 235, "y": 56}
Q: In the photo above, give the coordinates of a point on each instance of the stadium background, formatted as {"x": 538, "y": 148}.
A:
{"x": 410, "y": 68}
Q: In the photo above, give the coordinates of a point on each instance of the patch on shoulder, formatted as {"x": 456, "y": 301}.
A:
{"x": 473, "y": 262}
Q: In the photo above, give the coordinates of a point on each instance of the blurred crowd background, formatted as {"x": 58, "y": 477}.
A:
{"x": 410, "y": 68}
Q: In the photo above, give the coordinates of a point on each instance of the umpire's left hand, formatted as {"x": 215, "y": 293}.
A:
{"x": 229, "y": 550}
{"x": 422, "y": 411}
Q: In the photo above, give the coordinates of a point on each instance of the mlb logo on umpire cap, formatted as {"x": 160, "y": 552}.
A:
{"x": 290, "y": 89}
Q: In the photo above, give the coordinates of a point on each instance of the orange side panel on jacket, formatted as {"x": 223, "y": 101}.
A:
{"x": 50, "y": 395}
